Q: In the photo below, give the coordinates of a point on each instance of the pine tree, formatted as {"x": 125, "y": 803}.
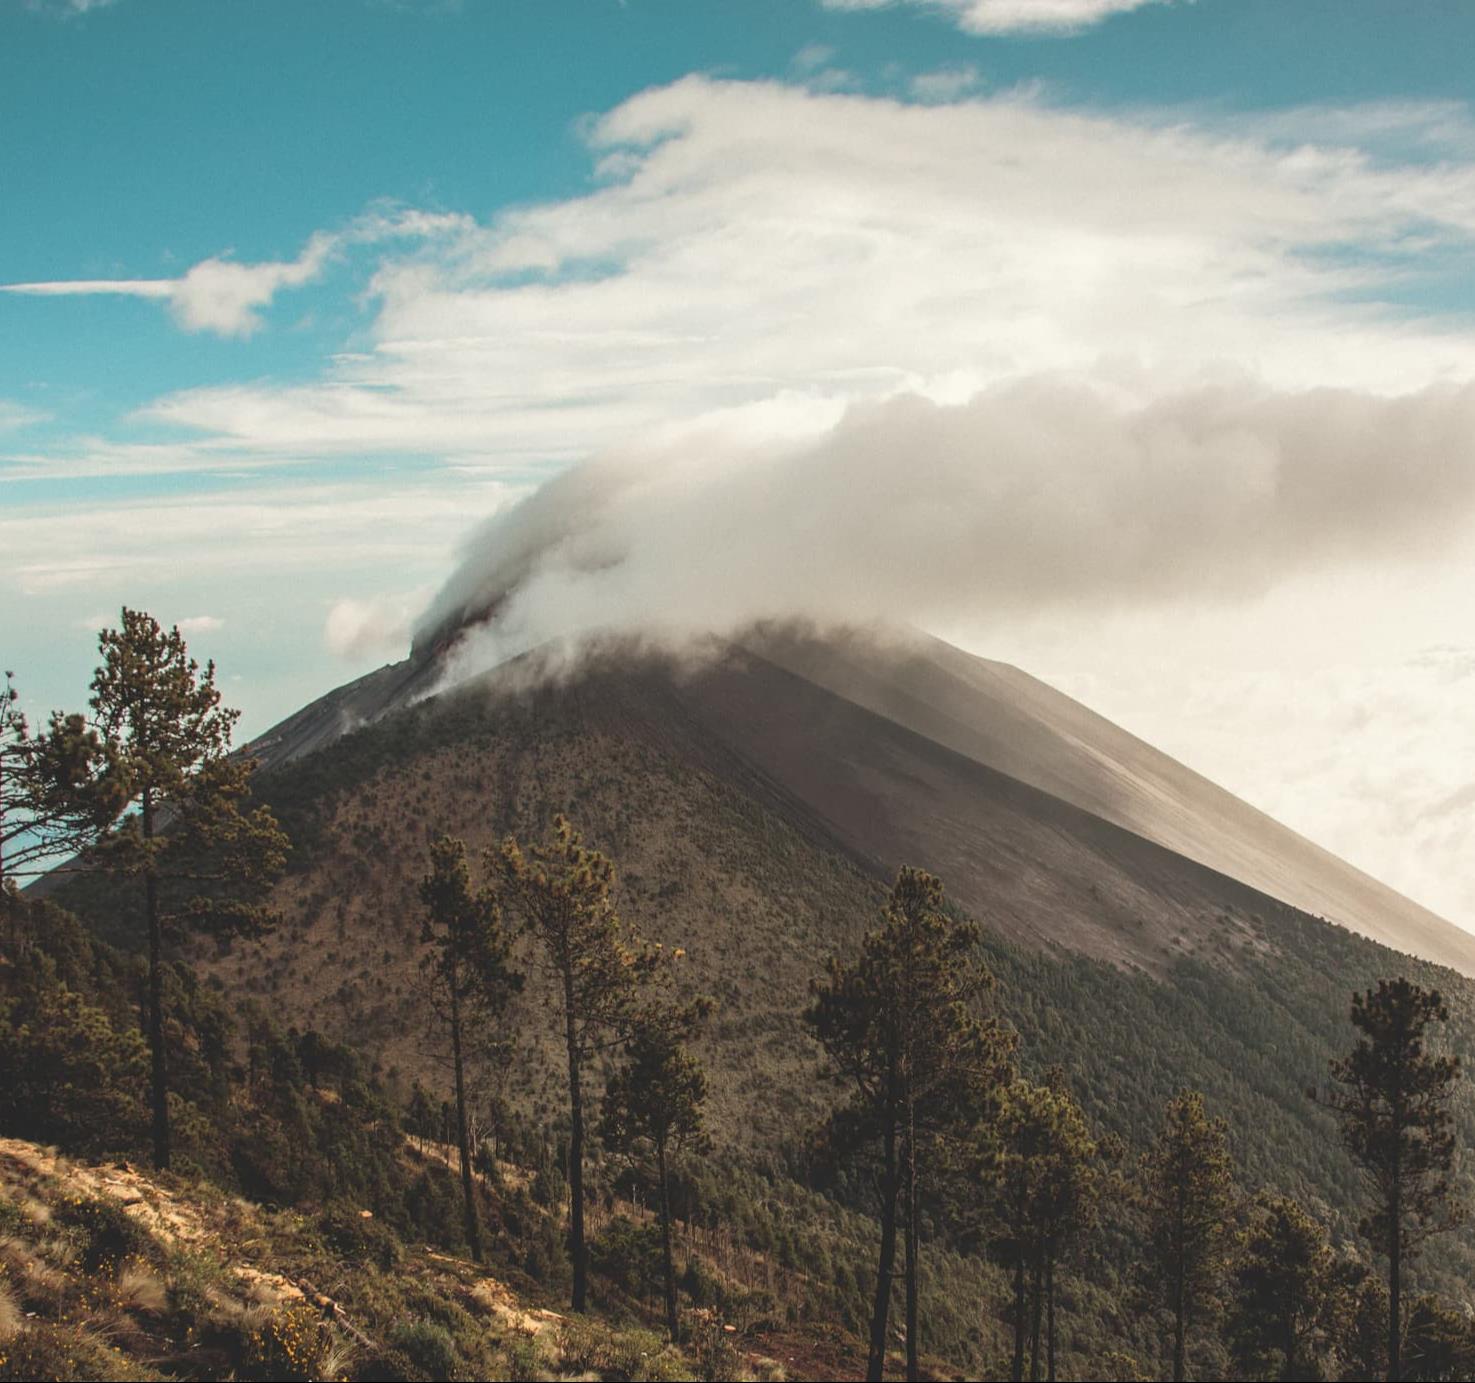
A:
{"x": 655, "y": 1101}
{"x": 900, "y": 1025}
{"x": 1286, "y": 1293}
{"x": 1045, "y": 1173}
{"x": 472, "y": 982}
{"x": 42, "y": 817}
{"x": 1189, "y": 1196}
{"x": 562, "y": 892}
{"x": 166, "y": 777}
{"x": 1393, "y": 1095}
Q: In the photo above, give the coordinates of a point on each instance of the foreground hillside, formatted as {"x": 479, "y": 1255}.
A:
{"x": 107, "y": 1272}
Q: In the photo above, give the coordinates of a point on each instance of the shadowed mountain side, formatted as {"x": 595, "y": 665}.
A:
{"x": 1032, "y": 867}
{"x": 999, "y": 716}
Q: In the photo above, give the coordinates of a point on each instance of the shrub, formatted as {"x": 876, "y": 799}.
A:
{"x": 44, "y": 1351}
{"x": 428, "y": 1346}
{"x": 350, "y": 1234}
{"x": 711, "y": 1349}
{"x": 524, "y": 1358}
{"x": 287, "y": 1347}
{"x": 106, "y": 1233}
{"x": 629, "y": 1255}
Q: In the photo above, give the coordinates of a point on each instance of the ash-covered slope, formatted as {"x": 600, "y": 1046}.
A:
{"x": 1043, "y": 818}
{"x": 997, "y": 715}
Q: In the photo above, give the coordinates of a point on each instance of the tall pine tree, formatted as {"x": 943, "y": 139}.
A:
{"x": 1045, "y": 1172}
{"x": 184, "y": 831}
{"x": 1189, "y": 1196}
{"x": 472, "y": 982}
{"x": 654, "y": 1101}
{"x": 1286, "y": 1293}
{"x": 43, "y": 816}
{"x": 563, "y": 893}
{"x": 901, "y": 1025}
{"x": 1393, "y": 1095}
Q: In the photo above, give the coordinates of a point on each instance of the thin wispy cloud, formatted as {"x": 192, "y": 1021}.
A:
{"x": 66, "y": 9}
{"x": 14, "y": 416}
{"x": 1057, "y": 17}
{"x": 216, "y": 295}
{"x": 226, "y": 297}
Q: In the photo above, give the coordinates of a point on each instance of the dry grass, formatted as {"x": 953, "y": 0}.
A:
{"x": 11, "y": 1315}
{"x": 139, "y": 1290}
{"x": 28, "y": 1270}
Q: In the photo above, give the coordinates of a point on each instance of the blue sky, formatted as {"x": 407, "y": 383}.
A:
{"x": 300, "y": 293}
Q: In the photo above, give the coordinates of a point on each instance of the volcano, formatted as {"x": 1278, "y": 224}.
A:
{"x": 1053, "y": 824}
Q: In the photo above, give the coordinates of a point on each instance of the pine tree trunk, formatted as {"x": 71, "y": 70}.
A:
{"x": 914, "y": 1343}
{"x": 881, "y": 1310}
{"x": 463, "y": 1137}
{"x": 1290, "y": 1369}
{"x": 1179, "y": 1303}
{"x": 1050, "y": 1316}
{"x": 1016, "y": 1373}
{"x": 673, "y": 1326}
{"x": 159, "y": 1076}
{"x": 1395, "y": 1270}
{"x": 577, "y": 1249}
{"x": 1037, "y": 1301}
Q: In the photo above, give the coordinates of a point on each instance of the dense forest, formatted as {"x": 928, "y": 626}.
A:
{"x": 1004, "y": 1162}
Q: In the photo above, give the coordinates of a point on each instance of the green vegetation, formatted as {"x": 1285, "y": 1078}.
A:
{"x": 900, "y": 1027}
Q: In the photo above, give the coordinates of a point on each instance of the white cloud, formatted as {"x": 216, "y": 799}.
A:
{"x": 14, "y": 416}
{"x": 66, "y": 8}
{"x": 253, "y": 534}
{"x": 1012, "y": 16}
{"x": 216, "y": 295}
{"x": 201, "y": 624}
{"x": 812, "y": 57}
{"x": 1026, "y": 500}
{"x": 761, "y": 241}
{"x": 226, "y": 297}
{"x": 222, "y": 296}
{"x": 66, "y": 288}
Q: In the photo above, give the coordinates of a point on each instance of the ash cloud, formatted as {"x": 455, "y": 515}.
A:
{"x": 1038, "y": 496}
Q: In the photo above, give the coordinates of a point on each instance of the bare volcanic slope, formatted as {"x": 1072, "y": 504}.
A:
{"x": 997, "y": 715}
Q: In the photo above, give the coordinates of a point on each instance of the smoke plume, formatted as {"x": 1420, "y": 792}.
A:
{"x": 1031, "y": 497}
